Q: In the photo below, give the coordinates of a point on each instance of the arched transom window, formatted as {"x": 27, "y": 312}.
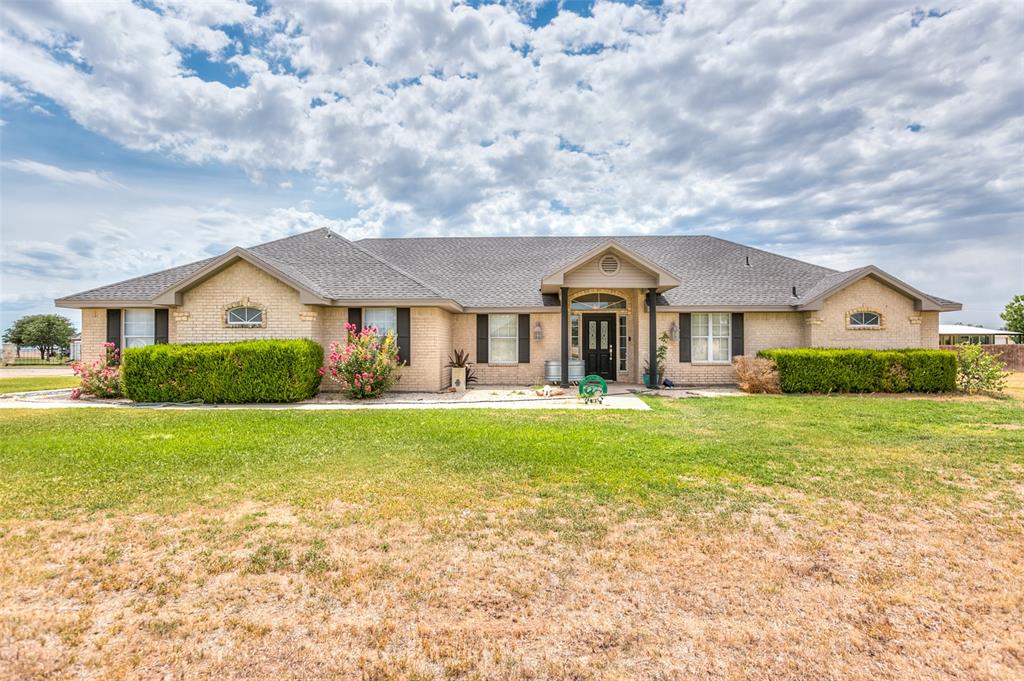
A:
{"x": 245, "y": 316}
{"x": 865, "y": 320}
{"x": 598, "y": 301}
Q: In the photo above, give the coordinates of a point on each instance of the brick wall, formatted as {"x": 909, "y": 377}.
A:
{"x": 902, "y": 325}
{"x": 200, "y": 317}
{"x": 94, "y": 333}
{"x": 463, "y": 336}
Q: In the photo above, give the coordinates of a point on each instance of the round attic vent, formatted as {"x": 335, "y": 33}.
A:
{"x": 609, "y": 265}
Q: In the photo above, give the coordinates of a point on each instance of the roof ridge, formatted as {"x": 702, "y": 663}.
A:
{"x": 401, "y": 271}
{"x": 295, "y": 236}
{"x": 761, "y": 250}
{"x": 482, "y": 237}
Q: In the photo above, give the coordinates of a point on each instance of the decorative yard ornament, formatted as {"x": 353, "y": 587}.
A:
{"x": 593, "y": 388}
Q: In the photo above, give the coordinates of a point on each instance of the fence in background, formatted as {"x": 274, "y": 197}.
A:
{"x": 1012, "y": 355}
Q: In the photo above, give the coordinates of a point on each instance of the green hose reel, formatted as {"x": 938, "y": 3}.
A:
{"x": 593, "y": 388}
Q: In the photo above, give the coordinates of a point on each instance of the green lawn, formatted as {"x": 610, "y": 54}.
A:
{"x": 27, "y": 383}
{"x": 687, "y": 456}
{"x": 745, "y": 537}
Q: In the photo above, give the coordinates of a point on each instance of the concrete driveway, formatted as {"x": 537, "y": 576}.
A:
{"x": 25, "y": 371}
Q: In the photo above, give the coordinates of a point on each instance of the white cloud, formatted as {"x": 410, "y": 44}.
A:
{"x": 88, "y": 178}
{"x": 789, "y": 126}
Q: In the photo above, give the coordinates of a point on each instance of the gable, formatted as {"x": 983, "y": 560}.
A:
{"x": 590, "y": 270}
{"x": 596, "y": 273}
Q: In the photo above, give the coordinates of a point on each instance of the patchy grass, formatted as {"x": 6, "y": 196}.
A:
{"x": 21, "y": 384}
{"x": 763, "y": 537}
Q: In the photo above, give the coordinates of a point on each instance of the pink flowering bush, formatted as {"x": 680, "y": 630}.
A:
{"x": 364, "y": 365}
{"x": 102, "y": 378}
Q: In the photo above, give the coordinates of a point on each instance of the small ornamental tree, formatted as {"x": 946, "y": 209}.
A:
{"x": 102, "y": 378}
{"x": 365, "y": 365}
{"x": 978, "y": 371}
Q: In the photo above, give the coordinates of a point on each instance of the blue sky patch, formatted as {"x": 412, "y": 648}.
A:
{"x": 199, "y": 63}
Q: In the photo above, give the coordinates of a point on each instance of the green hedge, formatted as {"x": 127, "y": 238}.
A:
{"x": 251, "y": 371}
{"x": 808, "y": 370}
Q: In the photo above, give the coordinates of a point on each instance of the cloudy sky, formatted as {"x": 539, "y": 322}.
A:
{"x": 140, "y": 136}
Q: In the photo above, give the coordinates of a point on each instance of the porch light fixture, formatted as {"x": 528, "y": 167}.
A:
{"x": 538, "y": 332}
{"x": 673, "y": 332}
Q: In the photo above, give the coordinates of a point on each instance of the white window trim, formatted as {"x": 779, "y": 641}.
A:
{"x": 124, "y": 328}
{"x": 877, "y": 325}
{"x": 491, "y": 337}
{"x": 622, "y": 352}
{"x": 244, "y": 325}
{"x": 710, "y": 338}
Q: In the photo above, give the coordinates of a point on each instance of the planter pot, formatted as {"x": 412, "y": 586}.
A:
{"x": 647, "y": 382}
{"x": 459, "y": 379}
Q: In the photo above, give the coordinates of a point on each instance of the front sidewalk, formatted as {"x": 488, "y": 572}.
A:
{"x": 490, "y": 397}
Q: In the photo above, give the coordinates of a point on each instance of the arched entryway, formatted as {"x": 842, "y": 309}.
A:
{"x": 599, "y": 332}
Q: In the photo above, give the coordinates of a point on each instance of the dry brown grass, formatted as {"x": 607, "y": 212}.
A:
{"x": 273, "y": 592}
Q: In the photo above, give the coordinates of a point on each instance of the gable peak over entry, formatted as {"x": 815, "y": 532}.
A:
{"x": 610, "y": 264}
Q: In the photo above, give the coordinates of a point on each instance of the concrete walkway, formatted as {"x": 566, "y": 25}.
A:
{"x": 58, "y": 399}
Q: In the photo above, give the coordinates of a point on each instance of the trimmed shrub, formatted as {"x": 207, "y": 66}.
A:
{"x": 757, "y": 375}
{"x": 231, "y": 373}
{"x": 828, "y": 370}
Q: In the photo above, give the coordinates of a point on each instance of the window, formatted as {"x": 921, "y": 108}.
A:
{"x": 245, "y": 316}
{"x": 709, "y": 337}
{"x": 385, "y": 319}
{"x": 504, "y": 339}
{"x": 574, "y": 336}
{"x": 623, "y": 337}
{"x": 139, "y": 328}
{"x": 869, "y": 320}
{"x": 598, "y": 301}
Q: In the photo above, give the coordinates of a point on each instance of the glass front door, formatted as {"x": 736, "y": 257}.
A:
{"x": 599, "y": 345}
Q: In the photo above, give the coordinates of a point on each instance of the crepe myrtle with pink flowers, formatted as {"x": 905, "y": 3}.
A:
{"x": 102, "y": 377}
{"x": 366, "y": 364}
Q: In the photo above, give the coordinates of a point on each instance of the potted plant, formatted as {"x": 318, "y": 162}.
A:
{"x": 462, "y": 370}
{"x": 661, "y": 354}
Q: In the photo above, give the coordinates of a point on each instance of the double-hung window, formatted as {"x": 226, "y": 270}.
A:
{"x": 139, "y": 328}
{"x": 503, "y": 337}
{"x": 385, "y": 319}
{"x": 709, "y": 337}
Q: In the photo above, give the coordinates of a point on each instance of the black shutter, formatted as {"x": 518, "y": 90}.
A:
{"x": 404, "y": 342}
{"x": 160, "y": 324}
{"x": 355, "y": 317}
{"x": 524, "y": 339}
{"x": 684, "y": 337}
{"x": 114, "y": 328}
{"x": 482, "y": 331}
{"x": 737, "y": 334}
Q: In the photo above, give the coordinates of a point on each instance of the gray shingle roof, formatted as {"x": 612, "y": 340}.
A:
{"x": 325, "y": 263}
{"x": 141, "y": 288}
{"x": 339, "y": 269}
{"x": 505, "y": 271}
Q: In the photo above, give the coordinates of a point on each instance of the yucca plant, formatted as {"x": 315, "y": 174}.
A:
{"x": 459, "y": 359}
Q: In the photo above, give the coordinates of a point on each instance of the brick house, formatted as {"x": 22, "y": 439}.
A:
{"x": 527, "y": 309}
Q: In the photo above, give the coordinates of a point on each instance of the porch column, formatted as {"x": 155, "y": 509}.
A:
{"x": 565, "y": 337}
{"x": 652, "y": 342}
